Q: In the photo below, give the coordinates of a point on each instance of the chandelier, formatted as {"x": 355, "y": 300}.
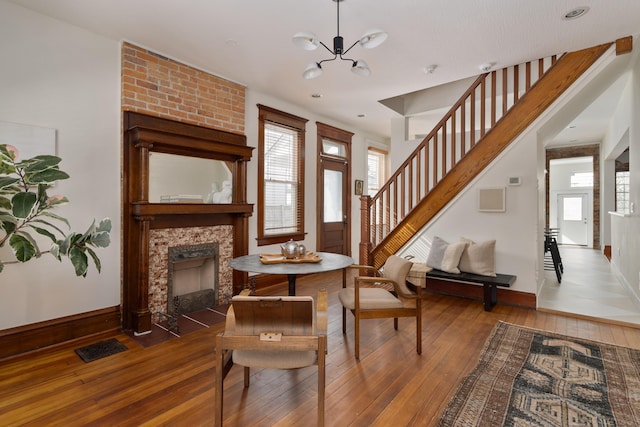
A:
{"x": 309, "y": 41}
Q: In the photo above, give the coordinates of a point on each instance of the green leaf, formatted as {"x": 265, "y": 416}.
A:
{"x": 41, "y": 221}
{"x": 105, "y": 225}
{"x": 44, "y": 232}
{"x": 63, "y": 246}
{"x": 101, "y": 240}
{"x": 8, "y": 226}
{"x": 42, "y": 194}
{"x": 95, "y": 258}
{"x": 22, "y": 248}
{"x": 11, "y": 189}
{"x": 79, "y": 260}
{"x": 6, "y": 216}
{"x": 46, "y": 176}
{"x": 5, "y": 152}
{"x": 55, "y": 251}
{"x": 53, "y": 201}
{"x": 58, "y": 217}
{"x": 42, "y": 163}
{"x": 90, "y": 230}
{"x": 75, "y": 239}
{"x": 6, "y": 181}
{"x": 23, "y": 204}
{"x": 5, "y": 203}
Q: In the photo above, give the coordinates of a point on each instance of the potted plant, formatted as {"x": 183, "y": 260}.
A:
{"x": 26, "y": 208}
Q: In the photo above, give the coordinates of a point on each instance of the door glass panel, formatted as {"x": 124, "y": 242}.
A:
{"x": 332, "y": 196}
{"x": 572, "y": 208}
{"x": 334, "y": 148}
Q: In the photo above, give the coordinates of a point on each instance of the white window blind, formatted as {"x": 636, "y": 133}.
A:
{"x": 376, "y": 175}
{"x": 281, "y": 180}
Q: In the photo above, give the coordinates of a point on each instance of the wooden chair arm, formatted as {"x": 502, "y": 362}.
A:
{"x": 366, "y": 279}
{"x": 245, "y": 292}
{"x": 365, "y": 267}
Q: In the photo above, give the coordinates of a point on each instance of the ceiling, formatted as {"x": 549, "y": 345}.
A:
{"x": 249, "y": 41}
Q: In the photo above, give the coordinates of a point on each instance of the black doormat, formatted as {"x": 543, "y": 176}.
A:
{"x": 100, "y": 349}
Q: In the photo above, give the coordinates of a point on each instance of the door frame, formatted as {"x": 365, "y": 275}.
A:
{"x": 325, "y": 131}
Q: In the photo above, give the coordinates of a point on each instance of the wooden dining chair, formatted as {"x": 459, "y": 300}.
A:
{"x": 273, "y": 333}
{"x": 383, "y": 295}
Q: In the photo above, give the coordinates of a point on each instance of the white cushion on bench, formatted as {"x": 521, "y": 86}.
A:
{"x": 478, "y": 258}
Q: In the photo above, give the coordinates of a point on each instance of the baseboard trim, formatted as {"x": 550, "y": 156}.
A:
{"x": 469, "y": 290}
{"x": 51, "y": 333}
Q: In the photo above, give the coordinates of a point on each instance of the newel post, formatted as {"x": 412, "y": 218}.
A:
{"x": 365, "y": 231}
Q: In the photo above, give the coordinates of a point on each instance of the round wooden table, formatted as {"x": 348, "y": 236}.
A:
{"x": 329, "y": 262}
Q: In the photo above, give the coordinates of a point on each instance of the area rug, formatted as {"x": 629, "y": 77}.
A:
{"x": 527, "y": 377}
{"x": 100, "y": 349}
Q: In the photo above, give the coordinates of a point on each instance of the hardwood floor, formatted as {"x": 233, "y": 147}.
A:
{"x": 172, "y": 383}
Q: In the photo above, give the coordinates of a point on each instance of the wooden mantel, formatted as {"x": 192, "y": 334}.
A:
{"x": 144, "y": 134}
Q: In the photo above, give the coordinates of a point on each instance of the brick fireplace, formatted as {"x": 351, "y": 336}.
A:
{"x": 206, "y": 250}
{"x": 173, "y": 108}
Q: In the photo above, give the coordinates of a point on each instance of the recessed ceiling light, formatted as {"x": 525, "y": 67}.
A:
{"x": 316, "y": 95}
{"x": 575, "y": 13}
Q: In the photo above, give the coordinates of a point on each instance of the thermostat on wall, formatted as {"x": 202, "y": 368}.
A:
{"x": 515, "y": 180}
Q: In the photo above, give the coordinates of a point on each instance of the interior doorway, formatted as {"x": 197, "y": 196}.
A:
{"x": 574, "y": 171}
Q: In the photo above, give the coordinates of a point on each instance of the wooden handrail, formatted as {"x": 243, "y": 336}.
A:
{"x": 454, "y": 138}
{"x": 446, "y": 144}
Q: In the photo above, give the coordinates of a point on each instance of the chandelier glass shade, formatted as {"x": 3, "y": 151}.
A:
{"x": 309, "y": 41}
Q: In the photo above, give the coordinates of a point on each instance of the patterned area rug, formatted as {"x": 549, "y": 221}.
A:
{"x": 527, "y": 377}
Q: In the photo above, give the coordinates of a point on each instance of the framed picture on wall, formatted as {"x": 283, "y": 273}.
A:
{"x": 492, "y": 200}
{"x": 359, "y": 187}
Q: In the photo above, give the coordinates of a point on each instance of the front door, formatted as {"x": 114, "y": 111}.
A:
{"x": 573, "y": 219}
{"x": 333, "y": 189}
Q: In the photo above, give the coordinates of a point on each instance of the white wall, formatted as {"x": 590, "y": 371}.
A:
{"x": 514, "y": 230}
{"x": 359, "y": 143}
{"x": 625, "y": 229}
{"x": 62, "y": 77}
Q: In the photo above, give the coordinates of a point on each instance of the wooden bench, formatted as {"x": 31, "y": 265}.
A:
{"x": 490, "y": 284}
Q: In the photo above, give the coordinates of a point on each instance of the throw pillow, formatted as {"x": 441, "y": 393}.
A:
{"x": 479, "y": 258}
{"x": 445, "y": 256}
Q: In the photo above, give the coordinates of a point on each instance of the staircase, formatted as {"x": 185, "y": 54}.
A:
{"x": 495, "y": 109}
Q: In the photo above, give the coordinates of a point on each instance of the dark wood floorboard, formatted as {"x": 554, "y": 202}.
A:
{"x": 172, "y": 383}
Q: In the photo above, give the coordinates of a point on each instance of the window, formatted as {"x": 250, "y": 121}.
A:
{"x": 280, "y": 176}
{"x": 622, "y": 192}
{"x": 376, "y": 170}
{"x": 581, "y": 179}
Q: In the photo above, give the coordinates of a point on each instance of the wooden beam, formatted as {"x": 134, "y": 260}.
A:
{"x": 624, "y": 45}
